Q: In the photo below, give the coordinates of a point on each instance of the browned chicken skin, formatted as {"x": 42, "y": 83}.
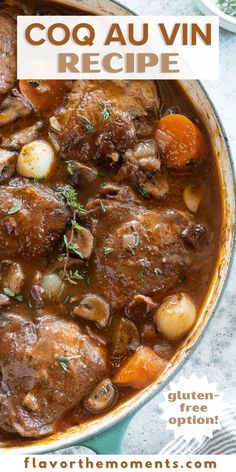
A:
{"x": 37, "y": 385}
{"x": 141, "y": 252}
{"x": 32, "y": 219}
{"x": 107, "y": 117}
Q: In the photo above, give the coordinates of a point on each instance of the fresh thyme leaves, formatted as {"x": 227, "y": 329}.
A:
{"x": 88, "y": 126}
{"x": 29, "y": 304}
{"x": 131, "y": 247}
{"x": 106, "y": 112}
{"x": 107, "y": 250}
{"x": 76, "y": 225}
{"x": 103, "y": 207}
{"x": 64, "y": 148}
{"x": 136, "y": 239}
{"x": 72, "y": 276}
{"x": 71, "y": 195}
{"x": 72, "y": 247}
{"x": 14, "y": 209}
{"x": 157, "y": 271}
{"x": 70, "y": 168}
{"x": 11, "y": 294}
{"x": 228, "y": 6}
{"x": 131, "y": 250}
{"x": 142, "y": 192}
{"x": 142, "y": 276}
{"x": 66, "y": 300}
{"x": 63, "y": 361}
{"x": 61, "y": 257}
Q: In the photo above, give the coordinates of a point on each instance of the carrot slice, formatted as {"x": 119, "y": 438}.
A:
{"x": 43, "y": 94}
{"x": 141, "y": 369}
{"x": 180, "y": 141}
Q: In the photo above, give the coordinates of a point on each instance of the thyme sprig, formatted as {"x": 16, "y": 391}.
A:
{"x": 88, "y": 126}
{"x": 106, "y": 111}
{"x": 63, "y": 361}
{"x": 71, "y": 196}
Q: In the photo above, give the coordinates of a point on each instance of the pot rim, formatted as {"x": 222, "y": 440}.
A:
{"x": 74, "y": 436}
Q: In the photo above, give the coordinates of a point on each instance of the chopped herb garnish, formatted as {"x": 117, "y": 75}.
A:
{"x": 131, "y": 250}
{"x": 76, "y": 225}
{"x": 29, "y": 304}
{"x": 88, "y": 126}
{"x": 61, "y": 257}
{"x": 142, "y": 192}
{"x": 70, "y": 169}
{"x": 70, "y": 195}
{"x": 136, "y": 239}
{"x": 106, "y": 112}
{"x": 103, "y": 207}
{"x": 142, "y": 276}
{"x": 107, "y": 250}
{"x": 63, "y": 148}
{"x": 72, "y": 247}
{"x": 87, "y": 281}
{"x": 157, "y": 271}
{"x": 72, "y": 276}
{"x": 14, "y": 209}
{"x": 66, "y": 299}
{"x": 9, "y": 292}
{"x": 63, "y": 361}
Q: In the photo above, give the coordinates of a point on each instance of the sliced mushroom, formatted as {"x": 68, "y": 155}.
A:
{"x": 102, "y": 397}
{"x": 80, "y": 242}
{"x": 126, "y": 337}
{"x": 144, "y": 153}
{"x": 7, "y": 164}
{"x": 140, "y": 306}
{"x": 12, "y": 276}
{"x": 12, "y": 108}
{"x": 158, "y": 187}
{"x": 55, "y": 124}
{"x": 93, "y": 308}
{"x": 81, "y": 176}
{"x": 192, "y": 197}
{"x": 22, "y": 137}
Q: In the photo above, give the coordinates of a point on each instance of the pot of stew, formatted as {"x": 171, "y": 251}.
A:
{"x": 116, "y": 236}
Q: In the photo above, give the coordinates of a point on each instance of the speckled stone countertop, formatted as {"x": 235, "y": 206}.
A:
{"x": 215, "y": 356}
